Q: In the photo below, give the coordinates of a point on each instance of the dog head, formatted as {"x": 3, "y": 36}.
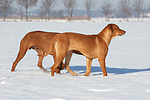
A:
{"x": 115, "y": 30}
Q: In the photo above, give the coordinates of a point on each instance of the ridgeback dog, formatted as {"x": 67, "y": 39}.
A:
{"x": 39, "y": 41}
{"x": 91, "y": 46}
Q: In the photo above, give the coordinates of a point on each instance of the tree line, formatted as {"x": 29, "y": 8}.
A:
{"x": 106, "y": 8}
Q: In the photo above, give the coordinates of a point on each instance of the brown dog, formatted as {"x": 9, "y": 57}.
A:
{"x": 39, "y": 41}
{"x": 91, "y": 46}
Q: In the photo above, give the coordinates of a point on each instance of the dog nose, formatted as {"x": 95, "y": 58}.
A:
{"x": 124, "y": 32}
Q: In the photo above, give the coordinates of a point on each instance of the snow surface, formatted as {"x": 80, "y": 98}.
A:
{"x": 127, "y": 63}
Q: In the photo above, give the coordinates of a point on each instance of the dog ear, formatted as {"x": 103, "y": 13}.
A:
{"x": 111, "y": 28}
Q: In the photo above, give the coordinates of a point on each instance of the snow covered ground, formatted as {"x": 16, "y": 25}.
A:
{"x": 127, "y": 63}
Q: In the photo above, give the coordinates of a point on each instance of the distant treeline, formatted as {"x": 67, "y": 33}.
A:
{"x": 125, "y": 9}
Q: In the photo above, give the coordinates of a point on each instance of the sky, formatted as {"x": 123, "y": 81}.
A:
{"x": 98, "y": 3}
{"x": 81, "y": 2}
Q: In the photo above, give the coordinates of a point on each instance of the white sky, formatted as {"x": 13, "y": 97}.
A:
{"x": 81, "y": 2}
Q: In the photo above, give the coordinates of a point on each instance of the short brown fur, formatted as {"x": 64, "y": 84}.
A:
{"x": 39, "y": 41}
{"x": 91, "y": 46}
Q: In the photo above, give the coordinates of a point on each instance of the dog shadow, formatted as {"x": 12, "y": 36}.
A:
{"x": 98, "y": 71}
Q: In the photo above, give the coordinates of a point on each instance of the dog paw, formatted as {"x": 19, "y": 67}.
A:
{"x": 86, "y": 75}
{"x": 46, "y": 71}
{"x": 104, "y": 75}
{"x": 74, "y": 74}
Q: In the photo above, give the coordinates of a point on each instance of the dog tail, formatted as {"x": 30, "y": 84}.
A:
{"x": 52, "y": 46}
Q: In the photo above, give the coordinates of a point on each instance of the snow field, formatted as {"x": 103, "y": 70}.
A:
{"x": 127, "y": 64}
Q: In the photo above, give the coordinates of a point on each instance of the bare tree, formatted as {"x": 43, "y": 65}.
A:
{"x": 146, "y": 10}
{"x": 60, "y": 13}
{"x": 74, "y": 4}
{"x": 27, "y": 4}
{"x": 89, "y": 5}
{"x": 138, "y": 7}
{"x": 124, "y": 6}
{"x": 20, "y": 8}
{"x": 49, "y": 4}
{"x": 42, "y": 12}
{"x": 5, "y": 5}
{"x": 54, "y": 13}
{"x": 129, "y": 10}
{"x": 107, "y": 9}
{"x": 70, "y": 6}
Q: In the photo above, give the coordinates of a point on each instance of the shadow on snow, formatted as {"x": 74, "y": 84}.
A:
{"x": 109, "y": 70}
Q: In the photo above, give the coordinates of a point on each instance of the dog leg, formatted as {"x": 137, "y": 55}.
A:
{"x": 24, "y": 46}
{"x": 54, "y": 67}
{"x": 19, "y": 57}
{"x": 57, "y": 61}
{"x": 23, "y": 49}
{"x": 103, "y": 67}
{"x": 88, "y": 66}
{"x": 40, "y": 52}
{"x": 60, "y": 67}
{"x": 59, "y": 54}
{"x": 67, "y": 60}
